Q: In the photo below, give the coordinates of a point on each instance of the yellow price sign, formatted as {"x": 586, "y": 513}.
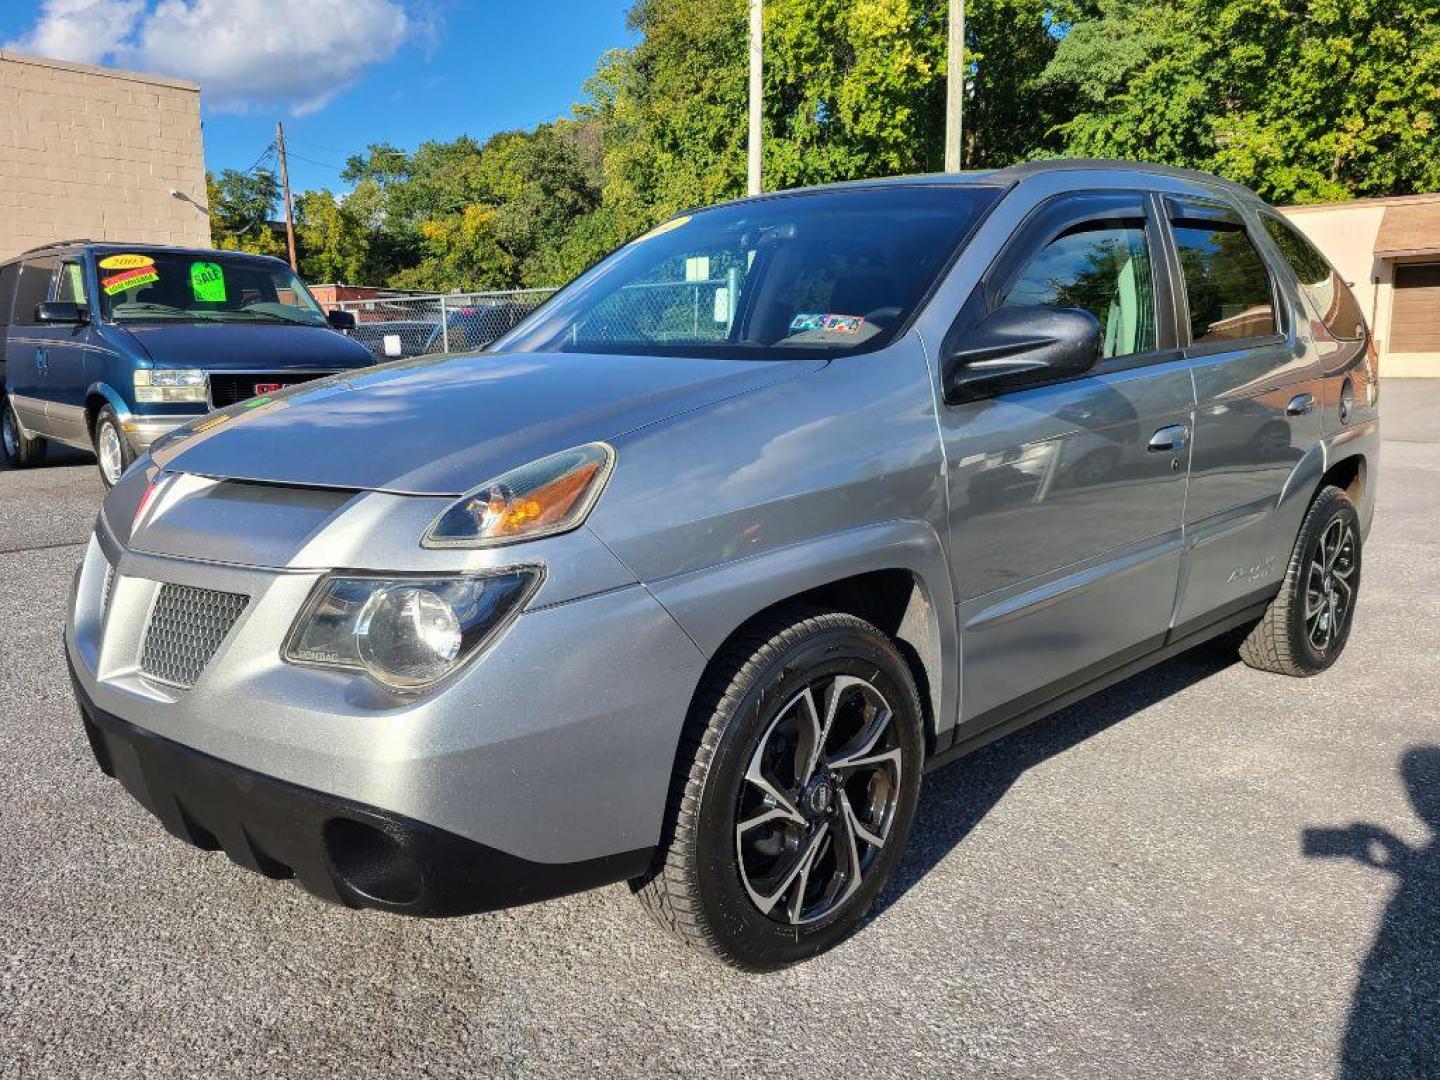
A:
{"x": 125, "y": 262}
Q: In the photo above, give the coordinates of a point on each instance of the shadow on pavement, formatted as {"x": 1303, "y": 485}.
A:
{"x": 1394, "y": 1025}
{"x": 57, "y": 457}
{"x": 956, "y": 798}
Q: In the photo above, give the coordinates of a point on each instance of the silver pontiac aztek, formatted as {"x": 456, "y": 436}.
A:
{"x": 688, "y": 579}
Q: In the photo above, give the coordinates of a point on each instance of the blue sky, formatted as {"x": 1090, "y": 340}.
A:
{"x": 339, "y": 73}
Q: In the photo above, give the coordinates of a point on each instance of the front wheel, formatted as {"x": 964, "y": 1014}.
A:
{"x": 797, "y": 781}
{"x": 1306, "y": 626}
{"x": 112, "y": 449}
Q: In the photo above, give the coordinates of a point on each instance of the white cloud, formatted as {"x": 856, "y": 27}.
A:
{"x": 86, "y": 31}
{"x": 243, "y": 53}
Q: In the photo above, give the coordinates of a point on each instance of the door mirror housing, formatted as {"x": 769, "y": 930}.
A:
{"x": 341, "y": 320}
{"x": 1015, "y": 347}
{"x": 61, "y": 311}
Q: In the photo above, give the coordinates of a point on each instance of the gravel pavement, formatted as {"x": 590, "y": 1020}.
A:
{"x": 1205, "y": 871}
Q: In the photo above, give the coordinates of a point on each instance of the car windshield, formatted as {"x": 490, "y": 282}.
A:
{"x": 815, "y": 274}
{"x": 177, "y": 286}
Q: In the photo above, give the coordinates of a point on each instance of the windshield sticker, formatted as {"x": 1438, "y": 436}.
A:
{"x": 207, "y": 282}
{"x": 819, "y": 320}
{"x": 125, "y": 262}
{"x": 129, "y": 279}
{"x": 664, "y": 227}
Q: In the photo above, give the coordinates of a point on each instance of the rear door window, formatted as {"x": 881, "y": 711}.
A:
{"x": 1227, "y": 286}
{"x": 1327, "y": 292}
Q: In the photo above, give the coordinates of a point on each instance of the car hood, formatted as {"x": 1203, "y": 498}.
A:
{"x": 254, "y": 347}
{"x": 443, "y": 425}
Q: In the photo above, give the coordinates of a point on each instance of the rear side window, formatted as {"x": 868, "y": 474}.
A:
{"x": 32, "y": 290}
{"x": 1323, "y": 287}
{"x": 8, "y": 276}
{"x": 1226, "y": 283}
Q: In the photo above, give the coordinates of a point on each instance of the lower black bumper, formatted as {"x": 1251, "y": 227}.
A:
{"x": 339, "y": 850}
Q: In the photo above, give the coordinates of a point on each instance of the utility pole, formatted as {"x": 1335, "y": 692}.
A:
{"x": 757, "y": 92}
{"x": 955, "y": 88}
{"x": 285, "y": 188}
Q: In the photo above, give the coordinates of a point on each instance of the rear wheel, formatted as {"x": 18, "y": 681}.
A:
{"x": 112, "y": 449}
{"x": 20, "y": 450}
{"x": 1306, "y": 626}
{"x": 793, "y": 797}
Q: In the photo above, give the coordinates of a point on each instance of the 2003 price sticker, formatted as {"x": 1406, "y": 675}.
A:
{"x": 125, "y": 262}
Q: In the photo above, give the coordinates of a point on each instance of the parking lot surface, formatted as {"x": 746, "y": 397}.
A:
{"x": 1204, "y": 871}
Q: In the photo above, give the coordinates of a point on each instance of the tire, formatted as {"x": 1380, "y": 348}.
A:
{"x": 1325, "y": 564}
{"x": 111, "y": 457}
{"x": 713, "y": 884}
{"x": 20, "y": 451}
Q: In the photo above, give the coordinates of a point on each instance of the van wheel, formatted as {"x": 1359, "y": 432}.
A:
{"x": 796, "y": 783}
{"x": 1307, "y": 624}
{"x": 112, "y": 449}
{"x": 20, "y": 450}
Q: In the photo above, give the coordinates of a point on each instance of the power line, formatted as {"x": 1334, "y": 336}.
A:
{"x": 312, "y": 161}
{"x": 264, "y": 154}
{"x": 316, "y": 145}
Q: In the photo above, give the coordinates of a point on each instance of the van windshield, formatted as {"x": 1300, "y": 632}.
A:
{"x": 820, "y": 273}
{"x": 177, "y": 286}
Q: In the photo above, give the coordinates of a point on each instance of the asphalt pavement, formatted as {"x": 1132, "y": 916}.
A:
{"x": 1205, "y": 871}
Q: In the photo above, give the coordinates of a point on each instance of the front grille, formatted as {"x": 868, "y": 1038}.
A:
{"x": 229, "y": 387}
{"x": 187, "y": 625}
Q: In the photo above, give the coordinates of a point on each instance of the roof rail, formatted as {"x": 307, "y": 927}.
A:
{"x": 56, "y": 244}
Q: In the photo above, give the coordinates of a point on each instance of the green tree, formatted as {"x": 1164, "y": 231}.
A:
{"x": 853, "y": 88}
{"x": 462, "y": 214}
{"x": 1304, "y": 100}
{"x": 242, "y": 207}
{"x": 332, "y": 242}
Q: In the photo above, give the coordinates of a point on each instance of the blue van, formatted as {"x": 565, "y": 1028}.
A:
{"x": 108, "y": 346}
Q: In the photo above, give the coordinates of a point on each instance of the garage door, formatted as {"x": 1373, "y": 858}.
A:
{"x": 1415, "y": 316}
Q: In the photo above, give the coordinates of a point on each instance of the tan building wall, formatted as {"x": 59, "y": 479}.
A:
{"x": 1349, "y": 233}
{"x": 92, "y": 152}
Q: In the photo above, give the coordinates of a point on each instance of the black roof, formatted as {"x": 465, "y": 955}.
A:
{"x": 120, "y": 245}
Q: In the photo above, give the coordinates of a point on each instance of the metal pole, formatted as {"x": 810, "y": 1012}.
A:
{"x": 444, "y": 327}
{"x": 757, "y": 92}
{"x": 955, "y": 88}
{"x": 285, "y": 186}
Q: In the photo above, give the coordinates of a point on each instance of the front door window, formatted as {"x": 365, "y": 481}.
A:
{"x": 1102, "y": 268}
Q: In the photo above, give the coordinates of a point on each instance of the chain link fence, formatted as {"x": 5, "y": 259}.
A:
{"x": 668, "y": 311}
{"x": 398, "y": 326}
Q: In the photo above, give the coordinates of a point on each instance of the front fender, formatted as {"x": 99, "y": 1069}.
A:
{"x": 711, "y": 603}
{"x": 112, "y": 398}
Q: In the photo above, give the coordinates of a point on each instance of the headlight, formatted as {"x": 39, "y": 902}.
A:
{"x": 407, "y": 633}
{"x": 164, "y": 385}
{"x": 548, "y": 496}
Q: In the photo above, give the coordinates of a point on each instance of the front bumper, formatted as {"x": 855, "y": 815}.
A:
{"x": 339, "y": 850}
{"x": 141, "y": 431}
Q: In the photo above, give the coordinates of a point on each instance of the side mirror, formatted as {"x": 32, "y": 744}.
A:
{"x": 341, "y": 320}
{"x": 1021, "y": 346}
{"x": 61, "y": 311}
